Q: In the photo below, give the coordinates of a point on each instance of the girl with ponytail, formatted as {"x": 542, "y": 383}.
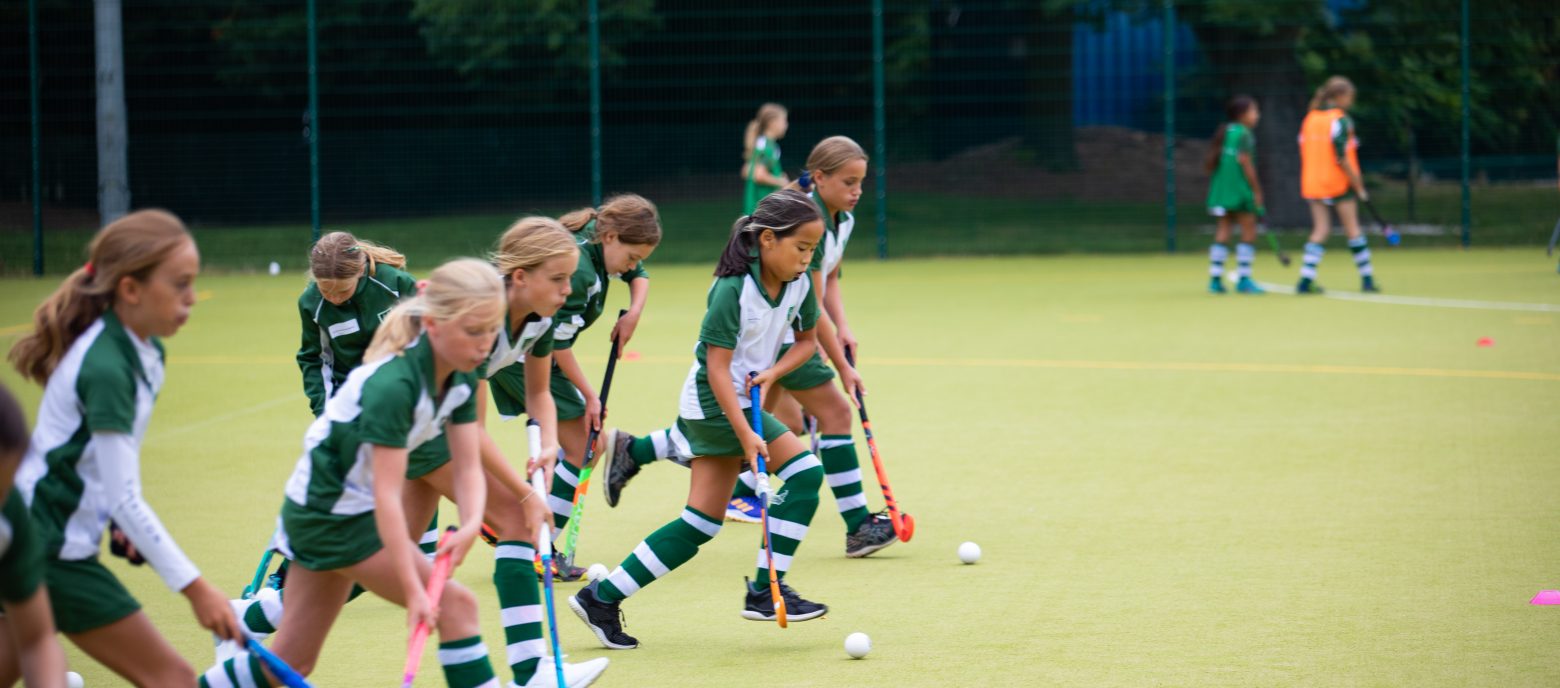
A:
{"x": 1234, "y": 194}
{"x": 761, "y": 171}
{"x": 758, "y": 296}
{"x": 96, "y": 348}
{"x": 1330, "y": 178}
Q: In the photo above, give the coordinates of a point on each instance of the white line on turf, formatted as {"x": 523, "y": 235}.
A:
{"x": 1396, "y": 300}
{"x": 248, "y": 410}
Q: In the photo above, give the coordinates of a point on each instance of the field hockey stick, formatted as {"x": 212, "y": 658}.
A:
{"x": 544, "y": 546}
{"x": 904, "y": 524}
{"x": 278, "y": 668}
{"x": 1393, "y": 238}
{"x": 1283, "y": 257}
{"x": 755, "y": 395}
{"x": 265, "y": 565}
{"x": 1553, "y": 238}
{"x": 572, "y": 535}
{"x": 441, "y": 573}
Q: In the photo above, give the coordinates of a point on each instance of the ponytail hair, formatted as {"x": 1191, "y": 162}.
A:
{"x": 454, "y": 289}
{"x": 132, "y": 246}
{"x": 1233, "y": 111}
{"x": 782, "y": 212}
{"x": 768, "y": 112}
{"x": 531, "y": 241}
{"x": 339, "y": 255}
{"x": 1332, "y": 88}
{"x": 633, "y": 218}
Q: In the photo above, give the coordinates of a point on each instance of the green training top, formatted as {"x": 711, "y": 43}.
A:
{"x": 1229, "y": 187}
{"x": 335, "y": 337}
{"x": 766, "y": 153}
{"x": 740, "y": 316}
{"x": 391, "y": 402}
{"x": 21, "y": 552}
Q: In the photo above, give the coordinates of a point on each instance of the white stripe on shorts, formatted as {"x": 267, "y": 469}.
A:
{"x": 846, "y": 478}
{"x": 652, "y": 563}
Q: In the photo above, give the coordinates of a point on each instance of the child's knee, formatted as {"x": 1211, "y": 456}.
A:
{"x": 457, "y": 612}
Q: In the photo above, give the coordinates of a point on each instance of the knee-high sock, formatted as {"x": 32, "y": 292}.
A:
{"x": 843, "y": 471}
{"x": 240, "y": 671}
{"x": 1361, "y": 252}
{"x": 560, "y": 499}
{"x": 1311, "y": 259}
{"x": 520, "y": 603}
{"x": 791, "y": 512}
{"x": 669, "y": 547}
{"x": 429, "y": 542}
{"x": 1244, "y": 255}
{"x": 747, "y": 485}
{"x": 1217, "y": 253}
{"x": 466, "y": 664}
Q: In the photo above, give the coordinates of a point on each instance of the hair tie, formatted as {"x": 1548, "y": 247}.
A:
{"x": 422, "y": 285}
{"x": 353, "y": 248}
{"x": 89, "y": 269}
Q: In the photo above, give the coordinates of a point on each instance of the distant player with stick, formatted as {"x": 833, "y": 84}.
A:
{"x": 1330, "y": 178}
{"x": 761, "y": 171}
{"x": 1234, "y": 194}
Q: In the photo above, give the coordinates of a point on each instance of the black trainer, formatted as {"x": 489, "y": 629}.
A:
{"x": 620, "y": 465}
{"x": 604, "y": 618}
{"x": 873, "y": 533}
{"x": 761, "y": 606}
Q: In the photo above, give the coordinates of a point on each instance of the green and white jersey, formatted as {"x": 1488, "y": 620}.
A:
{"x": 741, "y": 317}
{"x": 335, "y": 337}
{"x": 21, "y": 554}
{"x": 107, "y": 382}
{"x": 391, "y": 402}
{"x": 534, "y": 337}
{"x": 588, "y": 295}
{"x": 766, "y": 154}
{"x": 837, "y": 229}
{"x": 1229, "y": 188}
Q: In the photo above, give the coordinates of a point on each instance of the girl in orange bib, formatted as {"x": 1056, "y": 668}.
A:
{"x": 1330, "y": 176}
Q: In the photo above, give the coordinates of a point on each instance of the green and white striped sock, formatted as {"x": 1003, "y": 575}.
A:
{"x": 466, "y": 665}
{"x": 429, "y": 543}
{"x": 514, "y": 575}
{"x": 261, "y": 614}
{"x": 791, "y": 512}
{"x": 242, "y": 671}
{"x": 669, "y": 547}
{"x": 560, "y": 498}
{"x": 843, "y": 471}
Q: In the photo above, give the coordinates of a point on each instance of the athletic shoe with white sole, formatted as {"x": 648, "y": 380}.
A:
{"x": 605, "y": 619}
{"x": 761, "y": 605}
{"x": 1246, "y": 286}
{"x": 744, "y": 510}
{"x": 873, "y": 533}
{"x": 574, "y": 675}
{"x": 620, "y": 466}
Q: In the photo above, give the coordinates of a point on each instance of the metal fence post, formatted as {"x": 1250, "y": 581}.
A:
{"x": 37, "y": 135}
{"x": 1169, "y": 67}
{"x": 879, "y": 146}
{"x": 595, "y": 103}
{"x": 1467, "y": 201}
{"x": 314, "y": 123}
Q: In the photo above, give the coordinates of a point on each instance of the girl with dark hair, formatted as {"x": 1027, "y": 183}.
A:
{"x": 1234, "y": 194}
{"x": 758, "y": 296}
